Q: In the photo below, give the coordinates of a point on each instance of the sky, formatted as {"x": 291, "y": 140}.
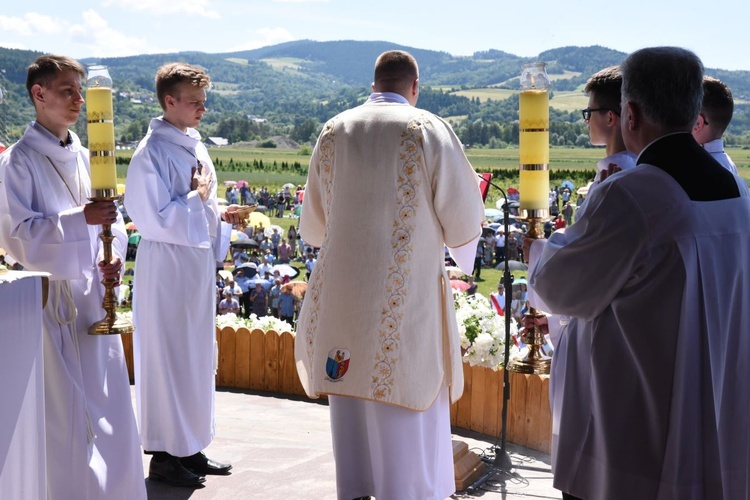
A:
{"x": 112, "y": 28}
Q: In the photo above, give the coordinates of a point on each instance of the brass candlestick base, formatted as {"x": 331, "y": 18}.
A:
{"x": 535, "y": 362}
{"x": 111, "y": 324}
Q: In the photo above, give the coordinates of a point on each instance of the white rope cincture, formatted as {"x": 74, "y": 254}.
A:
{"x": 65, "y": 291}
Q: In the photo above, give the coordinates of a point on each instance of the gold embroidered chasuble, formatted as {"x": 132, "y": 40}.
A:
{"x": 388, "y": 187}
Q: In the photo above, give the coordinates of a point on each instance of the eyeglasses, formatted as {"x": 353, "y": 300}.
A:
{"x": 587, "y": 112}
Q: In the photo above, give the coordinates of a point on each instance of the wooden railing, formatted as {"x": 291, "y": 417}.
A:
{"x": 265, "y": 361}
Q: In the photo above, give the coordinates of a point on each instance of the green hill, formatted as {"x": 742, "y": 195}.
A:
{"x": 290, "y": 89}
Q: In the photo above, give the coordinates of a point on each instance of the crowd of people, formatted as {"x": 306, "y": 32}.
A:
{"x": 255, "y": 285}
{"x": 285, "y": 198}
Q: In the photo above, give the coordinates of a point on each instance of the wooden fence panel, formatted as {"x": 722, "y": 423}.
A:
{"x": 517, "y": 409}
{"x": 478, "y": 396}
{"x": 287, "y": 366}
{"x": 493, "y": 384}
{"x": 463, "y": 412}
{"x": 242, "y": 358}
{"x": 226, "y": 357}
{"x": 539, "y": 422}
{"x": 271, "y": 362}
{"x": 257, "y": 359}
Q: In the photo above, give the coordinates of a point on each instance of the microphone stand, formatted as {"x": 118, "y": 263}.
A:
{"x": 502, "y": 465}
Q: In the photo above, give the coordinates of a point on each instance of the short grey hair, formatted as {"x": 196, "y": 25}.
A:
{"x": 667, "y": 85}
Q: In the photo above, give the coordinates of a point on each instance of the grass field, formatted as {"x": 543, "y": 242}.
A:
{"x": 570, "y": 101}
{"x": 563, "y": 100}
{"x": 289, "y": 63}
{"x": 482, "y": 160}
{"x": 485, "y": 94}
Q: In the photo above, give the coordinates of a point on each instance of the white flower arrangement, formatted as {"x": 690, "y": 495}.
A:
{"x": 265, "y": 323}
{"x": 482, "y": 331}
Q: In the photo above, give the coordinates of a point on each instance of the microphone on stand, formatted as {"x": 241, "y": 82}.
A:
{"x": 502, "y": 463}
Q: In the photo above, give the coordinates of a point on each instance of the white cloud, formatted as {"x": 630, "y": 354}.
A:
{"x": 13, "y": 45}
{"x": 32, "y": 24}
{"x": 102, "y": 40}
{"x": 300, "y": 1}
{"x": 268, "y": 36}
{"x": 198, "y": 8}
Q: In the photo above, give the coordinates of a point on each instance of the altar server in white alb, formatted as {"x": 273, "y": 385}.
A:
{"x": 47, "y": 224}
{"x": 714, "y": 118}
{"x": 654, "y": 381}
{"x": 602, "y": 116}
{"x": 171, "y": 197}
{"x": 388, "y": 186}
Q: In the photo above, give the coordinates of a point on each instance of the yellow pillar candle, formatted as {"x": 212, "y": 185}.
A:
{"x": 534, "y": 190}
{"x": 533, "y": 141}
{"x": 101, "y": 131}
{"x": 534, "y": 127}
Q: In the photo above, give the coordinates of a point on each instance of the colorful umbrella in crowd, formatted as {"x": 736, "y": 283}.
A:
{"x": 237, "y": 235}
{"x": 245, "y": 243}
{"x": 268, "y": 231}
{"x": 258, "y": 219}
{"x": 297, "y": 287}
{"x": 130, "y": 226}
{"x": 584, "y": 191}
{"x": 230, "y": 183}
{"x": 266, "y": 284}
{"x": 285, "y": 270}
{"x": 513, "y": 265}
{"x": 241, "y": 184}
{"x": 459, "y": 285}
{"x": 492, "y": 213}
{"x": 454, "y": 272}
{"x": 249, "y": 269}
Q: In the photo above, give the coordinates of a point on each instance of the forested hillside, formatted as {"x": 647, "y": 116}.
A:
{"x": 291, "y": 89}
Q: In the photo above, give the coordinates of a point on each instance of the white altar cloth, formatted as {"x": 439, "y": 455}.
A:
{"x": 22, "y": 448}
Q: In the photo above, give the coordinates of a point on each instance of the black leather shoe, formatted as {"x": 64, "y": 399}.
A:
{"x": 202, "y": 465}
{"x": 169, "y": 470}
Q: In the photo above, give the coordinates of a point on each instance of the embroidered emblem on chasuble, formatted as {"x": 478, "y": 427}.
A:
{"x": 327, "y": 154}
{"x": 387, "y": 356}
{"x": 337, "y": 364}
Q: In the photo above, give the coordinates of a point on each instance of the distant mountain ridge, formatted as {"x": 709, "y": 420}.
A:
{"x": 350, "y": 62}
{"x": 293, "y": 82}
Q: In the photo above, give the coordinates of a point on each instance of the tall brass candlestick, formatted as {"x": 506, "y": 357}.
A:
{"x": 533, "y": 145}
{"x": 101, "y": 132}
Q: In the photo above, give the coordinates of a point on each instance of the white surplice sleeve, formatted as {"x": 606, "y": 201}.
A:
{"x": 159, "y": 210}
{"x": 465, "y": 255}
{"x": 581, "y": 270}
{"x": 57, "y": 243}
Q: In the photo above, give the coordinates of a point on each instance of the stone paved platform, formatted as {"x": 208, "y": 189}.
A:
{"x": 280, "y": 448}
